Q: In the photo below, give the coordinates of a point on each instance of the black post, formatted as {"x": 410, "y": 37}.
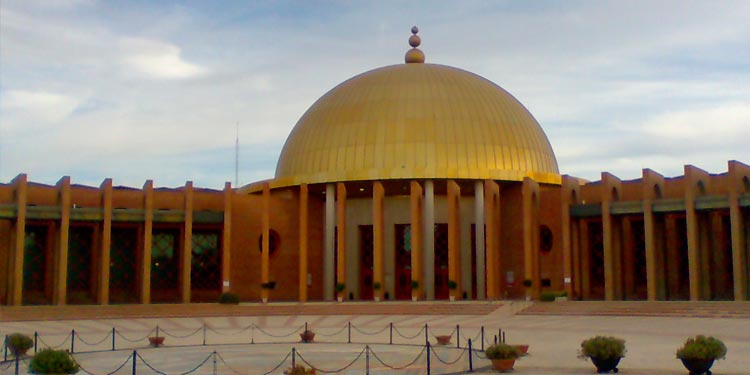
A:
{"x": 214, "y": 357}
{"x": 426, "y": 338}
{"x": 503, "y": 337}
{"x": 390, "y": 340}
{"x": 458, "y": 336}
{"x": 5, "y": 354}
{"x": 349, "y": 338}
{"x": 495, "y": 339}
{"x": 204, "y": 336}
{"x": 113, "y": 338}
{"x": 72, "y": 341}
{"x": 157, "y": 331}
{"x": 367, "y": 360}
{"x": 500, "y": 334}
{"x": 294, "y": 357}
{"x": 305, "y": 326}
{"x": 134, "y": 367}
{"x": 17, "y": 361}
{"x": 36, "y": 339}
{"x": 471, "y": 360}
{"x": 482, "y": 338}
{"x": 428, "y": 357}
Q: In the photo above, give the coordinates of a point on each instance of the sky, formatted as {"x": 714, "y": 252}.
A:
{"x": 138, "y": 90}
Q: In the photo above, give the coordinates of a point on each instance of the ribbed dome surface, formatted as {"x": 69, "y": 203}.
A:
{"x": 415, "y": 121}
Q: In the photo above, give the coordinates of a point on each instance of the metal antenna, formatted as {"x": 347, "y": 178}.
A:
{"x": 237, "y": 157}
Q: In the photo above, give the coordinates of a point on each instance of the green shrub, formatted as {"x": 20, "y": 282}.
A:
{"x": 376, "y": 285}
{"x": 551, "y": 296}
{"x": 603, "y": 347}
{"x": 18, "y": 343}
{"x": 452, "y": 284}
{"x": 702, "y": 347}
{"x": 340, "y": 287}
{"x": 228, "y": 298}
{"x": 50, "y": 361}
{"x": 502, "y": 351}
{"x": 415, "y": 284}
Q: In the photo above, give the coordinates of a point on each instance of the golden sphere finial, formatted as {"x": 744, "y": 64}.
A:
{"x": 414, "y": 55}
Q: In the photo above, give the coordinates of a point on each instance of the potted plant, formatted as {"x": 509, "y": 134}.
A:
{"x": 414, "y": 290}
{"x": 699, "y": 353}
{"x": 452, "y": 285}
{"x": 268, "y": 285}
{"x": 18, "y": 344}
{"x": 376, "y": 285}
{"x": 307, "y": 336}
{"x": 340, "y": 287}
{"x": 503, "y": 356}
{"x": 228, "y": 298}
{"x": 605, "y": 352}
{"x": 156, "y": 341}
{"x": 50, "y": 361}
{"x": 443, "y": 339}
{"x": 300, "y": 370}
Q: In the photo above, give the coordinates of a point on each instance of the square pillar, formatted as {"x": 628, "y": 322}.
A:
{"x": 186, "y": 257}
{"x": 16, "y": 271}
{"x": 104, "y": 257}
{"x": 378, "y": 240}
{"x": 265, "y": 239}
{"x": 303, "y": 229}
{"x": 226, "y": 240}
{"x": 148, "y": 191}
{"x": 416, "y": 238}
{"x": 61, "y": 255}
{"x": 454, "y": 238}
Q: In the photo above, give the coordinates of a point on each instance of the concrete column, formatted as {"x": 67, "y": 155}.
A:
{"x": 16, "y": 278}
{"x": 303, "y": 218}
{"x": 378, "y": 240}
{"x": 454, "y": 238}
{"x": 417, "y": 207}
{"x": 495, "y": 280}
{"x": 330, "y": 231}
{"x": 148, "y": 223}
{"x": 530, "y": 223}
{"x": 226, "y": 240}
{"x": 429, "y": 239}
{"x": 479, "y": 235}
{"x": 568, "y": 191}
{"x": 693, "y": 177}
{"x": 61, "y": 256}
{"x": 341, "y": 232}
{"x": 651, "y": 181}
{"x": 187, "y": 244}
{"x": 737, "y": 171}
{"x": 265, "y": 239}
{"x": 104, "y": 258}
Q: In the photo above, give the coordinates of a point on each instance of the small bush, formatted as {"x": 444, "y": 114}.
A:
{"x": 702, "y": 347}
{"x": 551, "y": 296}
{"x": 502, "y": 351}
{"x": 229, "y": 298}
{"x": 452, "y": 284}
{"x": 602, "y": 347}
{"x": 376, "y": 285}
{"x": 18, "y": 343}
{"x": 340, "y": 287}
{"x": 50, "y": 361}
{"x": 415, "y": 284}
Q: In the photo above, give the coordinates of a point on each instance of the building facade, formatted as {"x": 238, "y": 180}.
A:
{"x": 410, "y": 181}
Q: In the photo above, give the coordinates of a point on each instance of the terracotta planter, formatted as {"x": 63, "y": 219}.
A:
{"x": 443, "y": 339}
{"x": 605, "y": 365}
{"x": 503, "y": 365}
{"x": 156, "y": 341}
{"x": 307, "y": 336}
{"x": 697, "y": 366}
{"x": 523, "y": 348}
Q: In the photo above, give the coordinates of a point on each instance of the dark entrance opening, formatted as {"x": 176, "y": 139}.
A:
{"x": 366, "y": 262}
{"x": 123, "y": 255}
{"x": 37, "y": 281}
{"x": 205, "y": 267}
{"x": 441, "y": 261}
{"x": 80, "y": 254}
{"x": 403, "y": 261}
{"x": 165, "y": 265}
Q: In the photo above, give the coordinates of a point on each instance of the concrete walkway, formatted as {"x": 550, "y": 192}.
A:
{"x": 553, "y": 340}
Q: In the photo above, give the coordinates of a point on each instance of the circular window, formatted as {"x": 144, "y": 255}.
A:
{"x": 545, "y": 239}
{"x": 274, "y": 241}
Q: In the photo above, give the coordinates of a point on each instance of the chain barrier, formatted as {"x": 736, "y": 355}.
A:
{"x": 398, "y": 367}
{"x": 419, "y": 333}
{"x": 243, "y": 330}
{"x": 451, "y": 362}
{"x": 450, "y": 334}
{"x": 56, "y": 346}
{"x": 127, "y": 360}
{"x": 332, "y": 334}
{"x": 166, "y": 333}
{"x": 332, "y": 371}
{"x": 80, "y": 338}
{"x": 232, "y": 369}
{"x": 475, "y": 339}
{"x": 8, "y": 363}
{"x": 181, "y": 373}
{"x": 367, "y": 333}
{"x": 278, "y": 336}
{"x": 135, "y": 340}
{"x": 480, "y": 354}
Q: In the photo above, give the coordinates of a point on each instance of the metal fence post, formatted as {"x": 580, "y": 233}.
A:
{"x": 134, "y": 365}
{"x": 214, "y": 357}
{"x": 5, "y": 349}
{"x": 349, "y": 338}
{"x": 113, "y": 338}
{"x": 471, "y": 360}
{"x": 426, "y": 337}
{"x": 428, "y": 357}
{"x": 390, "y": 340}
{"x": 72, "y": 340}
{"x": 17, "y": 361}
{"x": 458, "y": 336}
{"x": 36, "y": 339}
{"x": 482, "y": 338}
{"x": 204, "y": 335}
{"x": 294, "y": 357}
{"x": 367, "y": 360}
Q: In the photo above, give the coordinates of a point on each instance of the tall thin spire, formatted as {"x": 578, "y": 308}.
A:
{"x": 237, "y": 156}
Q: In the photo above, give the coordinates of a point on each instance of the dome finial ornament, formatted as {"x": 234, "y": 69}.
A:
{"x": 414, "y": 55}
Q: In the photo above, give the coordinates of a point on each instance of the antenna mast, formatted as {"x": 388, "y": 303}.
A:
{"x": 237, "y": 157}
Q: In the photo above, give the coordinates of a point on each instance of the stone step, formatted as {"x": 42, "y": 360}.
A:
{"x": 708, "y": 309}
{"x": 75, "y": 312}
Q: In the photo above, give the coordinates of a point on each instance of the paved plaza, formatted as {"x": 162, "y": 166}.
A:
{"x": 243, "y": 343}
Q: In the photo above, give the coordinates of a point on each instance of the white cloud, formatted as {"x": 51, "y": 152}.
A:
{"x": 722, "y": 124}
{"x": 157, "y": 59}
{"x": 39, "y": 105}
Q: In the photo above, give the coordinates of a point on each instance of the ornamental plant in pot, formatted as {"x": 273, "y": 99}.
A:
{"x": 340, "y": 287}
{"x": 605, "y": 352}
{"x": 18, "y": 344}
{"x": 452, "y": 285}
{"x": 503, "y": 356}
{"x": 307, "y": 336}
{"x": 376, "y": 285}
{"x": 699, "y": 353}
{"x": 414, "y": 290}
{"x": 50, "y": 361}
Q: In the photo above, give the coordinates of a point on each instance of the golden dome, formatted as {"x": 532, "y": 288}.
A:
{"x": 416, "y": 121}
